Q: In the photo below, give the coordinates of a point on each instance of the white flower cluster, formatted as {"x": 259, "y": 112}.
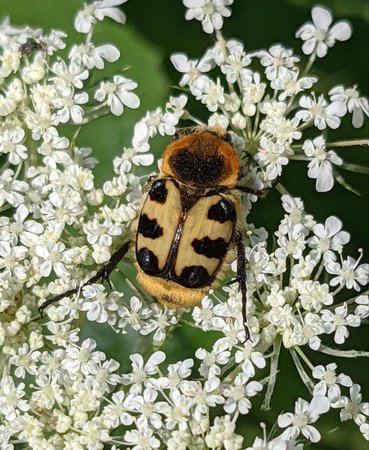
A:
{"x": 270, "y": 111}
{"x": 58, "y": 391}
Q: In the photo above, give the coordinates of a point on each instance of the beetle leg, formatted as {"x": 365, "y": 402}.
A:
{"x": 241, "y": 278}
{"x": 101, "y": 276}
{"x": 184, "y": 131}
{"x": 259, "y": 193}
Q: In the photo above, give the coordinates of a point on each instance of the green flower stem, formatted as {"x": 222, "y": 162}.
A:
{"x": 343, "y": 353}
{"x": 303, "y": 375}
{"x": 349, "y": 143}
{"x": 273, "y": 373}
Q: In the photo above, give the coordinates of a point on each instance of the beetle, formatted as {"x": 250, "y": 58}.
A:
{"x": 191, "y": 223}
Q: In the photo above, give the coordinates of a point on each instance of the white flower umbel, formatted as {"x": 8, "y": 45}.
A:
{"x": 57, "y": 388}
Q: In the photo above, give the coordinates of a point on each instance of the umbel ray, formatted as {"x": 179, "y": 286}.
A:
{"x": 191, "y": 225}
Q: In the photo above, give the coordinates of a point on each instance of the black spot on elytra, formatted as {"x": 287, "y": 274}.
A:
{"x": 211, "y": 248}
{"x": 148, "y": 261}
{"x": 199, "y": 168}
{"x": 194, "y": 277}
{"x": 149, "y": 227}
{"x": 158, "y": 192}
{"x": 222, "y": 211}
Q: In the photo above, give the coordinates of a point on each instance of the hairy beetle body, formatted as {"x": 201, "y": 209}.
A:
{"x": 186, "y": 229}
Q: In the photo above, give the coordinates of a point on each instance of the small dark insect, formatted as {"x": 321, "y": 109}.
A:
{"x": 191, "y": 222}
{"x": 30, "y": 46}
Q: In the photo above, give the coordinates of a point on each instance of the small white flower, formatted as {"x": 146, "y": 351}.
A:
{"x": 291, "y": 241}
{"x": 353, "y": 408}
{"x": 204, "y": 315}
{"x": 338, "y": 321}
{"x": 329, "y": 381}
{"x": 47, "y": 392}
{"x": 116, "y": 412}
{"x": 272, "y": 157}
{"x": 95, "y": 11}
{"x": 221, "y": 434}
{"x": 191, "y": 68}
{"x": 51, "y": 258}
{"x": 36, "y": 71}
{"x": 318, "y": 36}
{"x": 11, "y": 402}
{"x": 142, "y": 439}
{"x": 135, "y": 315}
{"x": 10, "y": 143}
{"x": 320, "y": 112}
{"x": 252, "y": 93}
{"x": 349, "y": 273}
{"x": 290, "y": 83}
{"x": 68, "y": 76}
{"x": 209, "y": 12}
{"x": 313, "y": 294}
{"x": 26, "y": 231}
{"x": 328, "y": 238}
{"x": 117, "y": 94}
{"x": 176, "y": 373}
{"x": 11, "y": 261}
{"x": 90, "y": 56}
{"x": 68, "y": 106}
{"x": 7, "y": 105}
{"x": 362, "y": 310}
{"x": 212, "y": 94}
{"x": 160, "y": 321}
{"x": 204, "y": 394}
{"x": 237, "y": 395}
{"x": 235, "y": 62}
{"x": 276, "y": 60}
{"x": 140, "y": 371}
{"x": 320, "y": 167}
{"x": 356, "y": 105}
{"x": 98, "y": 303}
{"x": 65, "y": 205}
{"x": 10, "y": 61}
{"x": 305, "y": 414}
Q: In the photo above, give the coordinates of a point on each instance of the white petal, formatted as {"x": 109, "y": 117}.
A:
{"x": 322, "y": 18}
{"x": 333, "y": 225}
{"x": 311, "y": 433}
{"x": 180, "y": 62}
{"x": 114, "y": 13}
{"x": 156, "y": 359}
{"x": 129, "y": 99}
{"x": 325, "y": 181}
{"x": 193, "y": 3}
{"x": 319, "y": 405}
{"x": 116, "y": 105}
{"x": 357, "y": 118}
{"x": 284, "y": 420}
{"x": 322, "y": 49}
{"x": 341, "y": 31}
{"x": 244, "y": 405}
{"x": 109, "y": 52}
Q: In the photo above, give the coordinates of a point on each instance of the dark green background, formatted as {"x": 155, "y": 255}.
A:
{"x": 154, "y": 30}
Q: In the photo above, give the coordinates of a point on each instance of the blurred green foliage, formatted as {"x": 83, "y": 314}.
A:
{"x": 154, "y": 30}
